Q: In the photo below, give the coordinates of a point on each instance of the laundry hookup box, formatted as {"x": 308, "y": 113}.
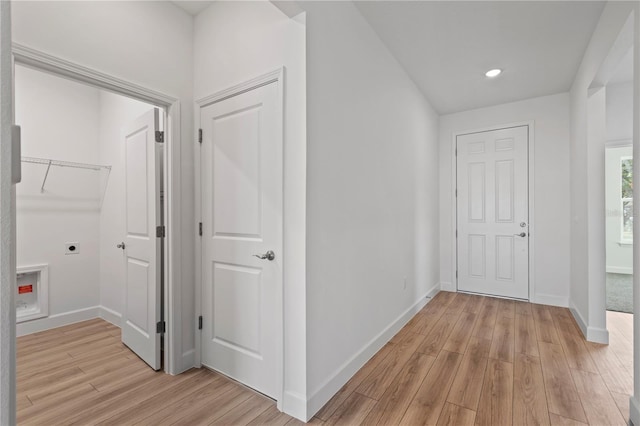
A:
{"x": 32, "y": 293}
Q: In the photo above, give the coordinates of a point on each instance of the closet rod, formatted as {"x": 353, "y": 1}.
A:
{"x": 49, "y": 162}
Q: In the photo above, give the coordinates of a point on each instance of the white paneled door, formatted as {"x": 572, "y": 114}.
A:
{"x": 142, "y": 246}
{"x": 492, "y": 212}
{"x": 242, "y": 225}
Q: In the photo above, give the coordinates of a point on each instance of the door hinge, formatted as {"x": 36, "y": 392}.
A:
{"x": 161, "y": 327}
{"x": 200, "y": 322}
{"x": 159, "y": 136}
{"x": 160, "y": 232}
{"x": 200, "y": 135}
{"x": 200, "y": 229}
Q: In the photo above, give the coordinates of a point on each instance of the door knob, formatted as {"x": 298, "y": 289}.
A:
{"x": 522, "y": 234}
{"x": 121, "y": 245}
{"x": 270, "y": 255}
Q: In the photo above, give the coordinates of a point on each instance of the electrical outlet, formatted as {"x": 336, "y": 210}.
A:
{"x": 71, "y": 248}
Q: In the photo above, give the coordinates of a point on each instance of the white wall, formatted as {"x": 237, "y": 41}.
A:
{"x": 59, "y": 120}
{"x": 235, "y": 42}
{"x": 147, "y": 43}
{"x": 587, "y": 292}
{"x": 115, "y": 112}
{"x": 372, "y": 204}
{"x": 550, "y": 226}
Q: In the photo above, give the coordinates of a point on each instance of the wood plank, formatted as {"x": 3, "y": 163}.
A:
{"x": 427, "y": 404}
{"x": 562, "y": 396}
{"x": 245, "y": 412}
{"x": 526, "y": 341}
{"x": 615, "y": 376}
{"x": 503, "y": 343}
{"x": 487, "y": 319}
{"x": 453, "y": 415}
{"x": 622, "y": 401}
{"x": 459, "y": 337}
{"x": 353, "y": 411}
{"x": 459, "y": 303}
{"x": 572, "y": 342}
{"x": 496, "y": 399}
{"x": 437, "y": 337}
{"x": 330, "y": 407}
{"x": 597, "y": 402}
{"x": 272, "y": 417}
{"x": 394, "y": 402}
{"x": 467, "y": 385}
{"x": 506, "y": 308}
{"x": 564, "y": 421}
{"x": 545, "y": 329}
{"x": 376, "y": 383}
{"x": 523, "y": 308}
{"x": 474, "y": 305}
{"x": 529, "y": 399}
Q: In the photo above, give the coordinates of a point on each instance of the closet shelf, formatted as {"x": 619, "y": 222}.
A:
{"x": 50, "y": 162}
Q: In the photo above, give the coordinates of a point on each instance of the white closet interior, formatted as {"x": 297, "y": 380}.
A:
{"x": 71, "y": 201}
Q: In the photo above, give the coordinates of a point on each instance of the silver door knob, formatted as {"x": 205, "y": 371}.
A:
{"x": 121, "y": 246}
{"x": 270, "y": 255}
{"x": 522, "y": 234}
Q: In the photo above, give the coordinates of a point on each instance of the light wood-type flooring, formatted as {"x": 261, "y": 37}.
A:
{"x": 463, "y": 359}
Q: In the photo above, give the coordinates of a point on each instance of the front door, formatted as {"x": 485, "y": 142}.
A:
{"x": 142, "y": 245}
{"x": 242, "y": 225}
{"x": 492, "y": 212}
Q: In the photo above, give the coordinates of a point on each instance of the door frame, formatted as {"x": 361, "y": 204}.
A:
{"x": 454, "y": 201}
{"x": 276, "y": 76}
{"x": 38, "y": 60}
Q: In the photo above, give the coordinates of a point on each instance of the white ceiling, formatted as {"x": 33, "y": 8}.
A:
{"x": 192, "y": 7}
{"x": 446, "y": 47}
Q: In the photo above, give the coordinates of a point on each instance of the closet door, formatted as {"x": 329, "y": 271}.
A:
{"x": 142, "y": 311}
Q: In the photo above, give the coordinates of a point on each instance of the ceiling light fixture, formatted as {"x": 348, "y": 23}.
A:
{"x": 493, "y": 73}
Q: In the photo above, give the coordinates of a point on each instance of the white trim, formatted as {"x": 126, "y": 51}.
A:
{"x": 172, "y": 210}
{"x": 57, "y": 320}
{"x": 42, "y": 61}
{"x": 188, "y": 357}
{"x": 618, "y": 143}
{"x": 111, "y": 316}
{"x": 295, "y": 405}
{"x": 454, "y": 205}
{"x": 276, "y": 76}
{"x": 344, "y": 373}
{"x": 592, "y": 334}
{"x": 620, "y": 270}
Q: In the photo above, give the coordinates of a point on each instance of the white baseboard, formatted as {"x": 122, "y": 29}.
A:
{"x": 332, "y": 385}
{"x": 634, "y": 410}
{"x": 57, "y": 320}
{"x": 619, "y": 270}
{"x": 111, "y": 316}
{"x": 592, "y": 334}
{"x": 445, "y": 286}
{"x": 295, "y": 405}
{"x": 550, "y": 299}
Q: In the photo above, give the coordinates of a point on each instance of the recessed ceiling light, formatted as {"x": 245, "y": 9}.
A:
{"x": 493, "y": 73}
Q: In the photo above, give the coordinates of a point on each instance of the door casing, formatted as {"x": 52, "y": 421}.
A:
{"x": 454, "y": 203}
{"x": 276, "y": 77}
{"x": 41, "y": 61}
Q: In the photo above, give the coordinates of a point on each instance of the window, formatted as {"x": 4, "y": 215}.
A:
{"x": 626, "y": 166}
